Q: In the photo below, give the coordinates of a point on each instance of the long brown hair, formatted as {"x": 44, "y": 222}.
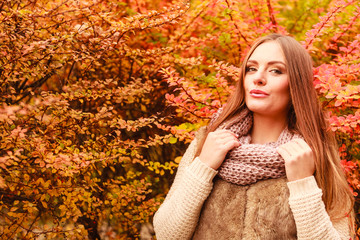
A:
{"x": 305, "y": 117}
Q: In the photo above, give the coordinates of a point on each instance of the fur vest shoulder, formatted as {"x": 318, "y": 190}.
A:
{"x": 256, "y": 211}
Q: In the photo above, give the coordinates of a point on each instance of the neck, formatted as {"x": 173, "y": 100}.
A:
{"x": 267, "y": 129}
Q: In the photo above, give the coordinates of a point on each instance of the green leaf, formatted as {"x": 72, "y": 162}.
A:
{"x": 225, "y": 38}
{"x": 173, "y": 140}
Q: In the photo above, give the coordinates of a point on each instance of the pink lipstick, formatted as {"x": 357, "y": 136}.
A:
{"x": 258, "y": 93}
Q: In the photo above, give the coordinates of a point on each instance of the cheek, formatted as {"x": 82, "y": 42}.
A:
{"x": 286, "y": 91}
{"x": 246, "y": 87}
{"x": 281, "y": 93}
{"x": 245, "y": 83}
{"x": 284, "y": 94}
{"x": 284, "y": 88}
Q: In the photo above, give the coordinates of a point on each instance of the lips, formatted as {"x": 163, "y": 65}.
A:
{"x": 258, "y": 93}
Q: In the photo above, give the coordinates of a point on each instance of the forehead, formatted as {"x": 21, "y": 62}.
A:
{"x": 268, "y": 52}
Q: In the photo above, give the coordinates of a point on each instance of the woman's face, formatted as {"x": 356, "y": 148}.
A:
{"x": 266, "y": 81}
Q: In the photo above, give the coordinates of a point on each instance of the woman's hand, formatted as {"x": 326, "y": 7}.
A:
{"x": 299, "y": 159}
{"x": 216, "y": 146}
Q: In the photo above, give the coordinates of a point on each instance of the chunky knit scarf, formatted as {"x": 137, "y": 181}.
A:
{"x": 249, "y": 162}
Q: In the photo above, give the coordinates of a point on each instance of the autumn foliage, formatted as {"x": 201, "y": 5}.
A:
{"x": 99, "y": 99}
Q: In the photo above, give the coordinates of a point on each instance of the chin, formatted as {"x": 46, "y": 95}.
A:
{"x": 264, "y": 111}
{"x": 258, "y": 109}
{"x": 274, "y": 109}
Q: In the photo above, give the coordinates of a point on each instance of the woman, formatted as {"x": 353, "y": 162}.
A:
{"x": 266, "y": 167}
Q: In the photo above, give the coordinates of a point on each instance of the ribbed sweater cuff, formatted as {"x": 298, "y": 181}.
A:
{"x": 202, "y": 171}
{"x": 303, "y": 187}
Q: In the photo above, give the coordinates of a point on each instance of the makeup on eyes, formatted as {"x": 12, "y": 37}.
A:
{"x": 274, "y": 66}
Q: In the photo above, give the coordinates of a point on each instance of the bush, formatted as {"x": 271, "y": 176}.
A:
{"x": 99, "y": 100}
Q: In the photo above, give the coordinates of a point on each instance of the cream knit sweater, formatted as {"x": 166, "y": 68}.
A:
{"x": 178, "y": 215}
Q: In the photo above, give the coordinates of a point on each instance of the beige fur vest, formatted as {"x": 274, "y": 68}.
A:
{"x": 257, "y": 211}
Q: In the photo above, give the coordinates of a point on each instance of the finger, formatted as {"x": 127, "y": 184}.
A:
{"x": 302, "y": 144}
{"x": 221, "y": 130}
{"x": 231, "y": 144}
{"x": 293, "y": 148}
{"x": 225, "y": 139}
{"x": 284, "y": 153}
{"x": 218, "y": 134}
{"x": 228, "y": 138}
{"x": 306, "y": 151}
{"x": 223, "y": 133}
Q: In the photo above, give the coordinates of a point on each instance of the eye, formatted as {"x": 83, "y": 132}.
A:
{"x": 276, "y": 71}
{"x": 250, "y": 69}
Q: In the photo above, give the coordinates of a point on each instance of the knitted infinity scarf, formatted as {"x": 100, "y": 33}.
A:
{"x": 250, "y": 163}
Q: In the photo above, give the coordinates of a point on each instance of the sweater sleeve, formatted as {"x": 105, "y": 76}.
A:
{"x": 312, "y": 220}
{"x": 178, "y": 215}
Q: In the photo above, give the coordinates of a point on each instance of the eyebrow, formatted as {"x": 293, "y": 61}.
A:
{"x": 269, "y": 63}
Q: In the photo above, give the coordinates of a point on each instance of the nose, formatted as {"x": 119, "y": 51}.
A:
{"x": 259, "y": 78}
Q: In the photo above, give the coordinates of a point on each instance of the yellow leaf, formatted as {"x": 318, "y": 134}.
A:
{"x": 2, "y": 183}
{"x": 26, "y": 178}
{"x": 178, "y": 159}
{"x": 173, "y": 140}
{"x": 13, "y": 209}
